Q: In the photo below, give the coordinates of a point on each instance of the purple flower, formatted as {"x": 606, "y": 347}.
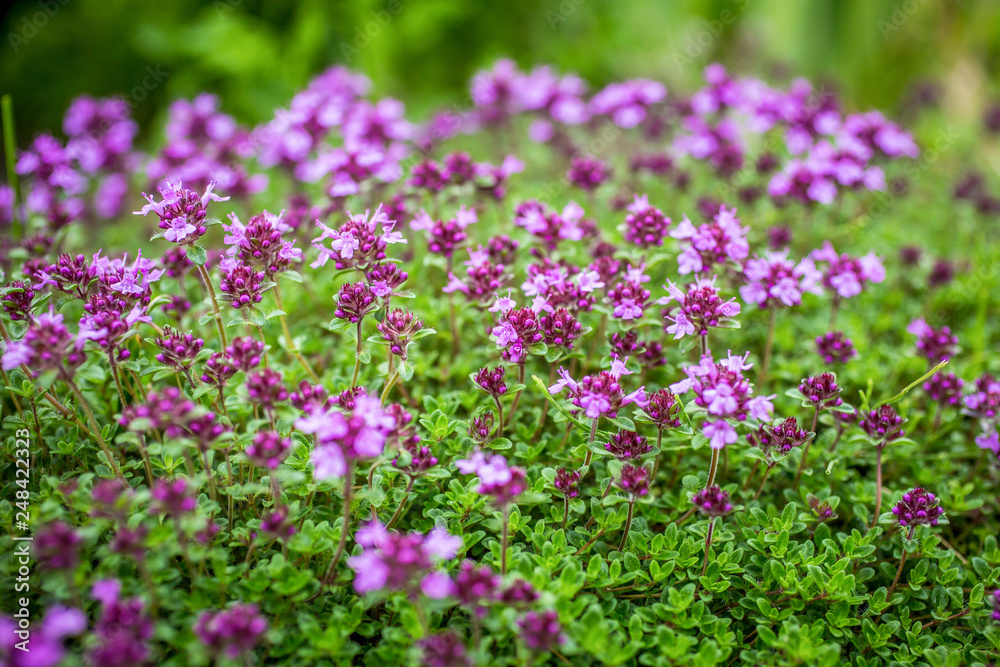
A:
{"x": 634, "y": 480}
{"x": 266, "y": 388}
{"x": 774, "y": 280}
{"x": 354, "y": 302}
{"x": 724, "y": 393}
{"x": 361, "y": 242}
{"x": 392, "y": 561}
{"x": 712, "y": 501}
{"x": 178, "y": 350}
{"x": 628, "y": 296}
{"x": 444, "y": 237}
{"x": 340, "y": 437}
{"x": 541, "y": 631}
{"x": 56, "y": 547}
{"x": 481, "y": 427}
{"x": 398, "y": 328}
{"x": 476, "y": 586}
{"x": 241, "y": 285}
{"x": 822, "y": 391}
{"x": 710, "y": 244}
{"x": 517, "y": 330}
{"x": 385, "y": 278}
{"x": 697, "y": 310}
{"x": 847, "y": 275}
{"x": 560, "y": 328}
{"x": 443, "y": 649}
{"x": 46, "y": 345}
{"x": 587, "y": 173}
{"x": 260, "y": 243}
{"x": 182, "y": 212}
{"x": 123, "y": 629}
{"x": 231, "y": 632}
{"x": 600, "y": 394}
{"x": 268, "y": 449}
{"x": 497, "y": 479}
{"x": 918, "y": 508}
{"x": 567, "y": 481}
{"x": 778, "y": 439}
{"x": 883, "y": 425}
{"x": 663, "y": 409}
{"x": 218, "y": 371}
{"x": 174, "y": 497}
{"x": 245, "y": 353}
{"x": 944, "y": 388}
{"x": 44, "y": 648}
{"x": 645, "y": 225}
{"x": 835, "y": 348}
{"x": 933, "y": 344}
{"x": 625, "y": 445}
{"x": 491, "y": 381}
{"x": 16, "y": 299}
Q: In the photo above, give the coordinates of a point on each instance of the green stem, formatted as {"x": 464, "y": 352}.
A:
{"x": 504, "y": 537}
{"x": 345, "y": 527}
{"x": 878, "y": 486}
{"x": 767, "y": 471}
{"x": 288, "y": 337}
{"x": 95, "y": 429}
{"x": 402, "y": 503}
{"x": 713, "y": 468}
{"x": 215, "y": 304}
{"x": 708, "y": 545}
{"x": 357, "y": 359}
{"x": 768, "y": 348}
{"x": 628, "y": 525}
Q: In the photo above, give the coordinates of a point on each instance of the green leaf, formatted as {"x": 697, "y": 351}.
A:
{"x": 197, "y": 255}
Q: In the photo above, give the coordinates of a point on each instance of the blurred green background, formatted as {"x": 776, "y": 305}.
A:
{"x": 257, "y": 53}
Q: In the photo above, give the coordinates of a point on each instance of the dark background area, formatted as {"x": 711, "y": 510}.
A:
{"x": 255, "y": 54}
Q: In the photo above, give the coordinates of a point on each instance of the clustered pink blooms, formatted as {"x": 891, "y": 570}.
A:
{"x": 359, "y": 243}
{"x": 268, "y": 449}
{"x": 600, "y": 395}
{"x": 835, "y": 348}
{"x": 587, "y": 173}
{"x": 516, "y": 331}
{"x": 551, "y": 227}
{"x": 398, "y": 329}
{"x": 775, "y": 280}
{"x": 634, "y": 480}
{"x": 483, "y": 277}
{"x": 241, "y": 285}
{"x": 712, "y": 501}
{"x": 491, "y": 381}
{"x": 178, "y": 350}
{"x": 918, "y": 507}
{"x": 780, "y": 438}
{"x": 724, "y": 393}
{"x": 182, "y": 212}
{"x": 443, "y": 649}
{"x": 883, "y": 425}
{"x": 497, "y": 479}
{"x": 646, "y": 226}
{"x": 123, "y": 630}
{"x": 983, "y": 404}
{"x": 392, "y": 561}
{"x": 46, "y": 345}
{"x": 560, "y": 328}
{"x": 173, "y": 497}
{"x": 625, "y": 445}
{"x": 354, "y": 302}
{"x": 567, "y": 482}
{"x": 56, "y": 547}
{"x": 696, "y": 311}
{"x": 935, "y": 344}
{"x": 47, "y": 638}
{"x": 628, "y": 296}
{"x": 244, "y": 353}
{"x": 261, "y": 244}
{"x": 385, "y": 278}
{"x": 231, "y": 632}
{"x": 711, "y": 244}
{"x": 944, "y": 388}
{"x": 844, "y": 274}
{"x": 554, "y": 286}
{"x": 345, "y": 435}
{"x": 444, "y": 237}
{"x": 16, "y": 300}
{"x": 663, "y": 409}
{"x": 822, "y": 391}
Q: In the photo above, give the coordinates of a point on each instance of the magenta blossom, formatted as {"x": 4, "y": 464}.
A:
{"x": 360, "y": 242}
{"x": 775, "y": 280}
{"x": 341, "y": 437}
{"x": 182, "y": 212}
{"x": 847, "y": 275}
{"x": 710, "y": 244}
{"x": 497, "y": 479}
{"x": 724, "y": 393}
{"x": 392, "y": 561}
{"x": 600, "y": 394}
{"x": 697, "y": 310}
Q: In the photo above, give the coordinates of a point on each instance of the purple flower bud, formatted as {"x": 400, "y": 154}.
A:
{"x": 712, "y": 501}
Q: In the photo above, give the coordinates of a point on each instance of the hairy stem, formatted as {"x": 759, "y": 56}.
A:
{"x": 628, "y": 525}
{"x": 878, "y": 486}
{"x": 708, "y": 545}
{"x": 402, "y": 503}
{"x": 215, "y": 304}
{"x": 767, "y": 471}
{"x": 344, "y": 529}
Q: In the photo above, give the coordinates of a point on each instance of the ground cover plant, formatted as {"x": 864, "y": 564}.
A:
{"x": 624, "y": 376}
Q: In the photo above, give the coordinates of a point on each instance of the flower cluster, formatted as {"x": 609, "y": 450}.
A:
{"x": 933, "y": 344}
{"x": 918, "y": 508}
{"x": 711, "y": 244}
{"x": 697, "y": 310}
{"x": 392, "y": 561}
{"x": 601, "y": 394}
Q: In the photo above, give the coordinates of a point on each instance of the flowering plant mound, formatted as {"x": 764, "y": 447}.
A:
{"x": 572, "y": 376}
